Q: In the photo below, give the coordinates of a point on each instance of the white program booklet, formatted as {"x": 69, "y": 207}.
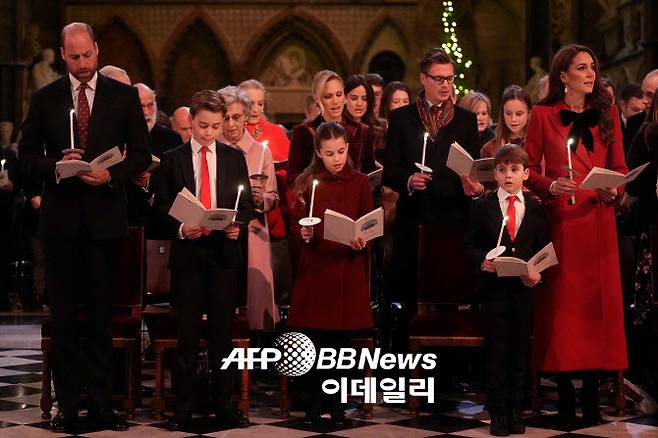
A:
{"x": 190, "y": 211}
{"x": 514, "y": 267}
{"x": 375, "y": 177}
{"x": 69, "y": 168}
{"x": 340, "y": 228}
{"x": 463, "y": 164}
{"x": 600, "y": 178}
{"x": 155, "y": 163}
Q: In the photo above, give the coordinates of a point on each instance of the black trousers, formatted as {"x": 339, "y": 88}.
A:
{"x": 507, "y": 326}
{"x": 81, "y": 275}
{"x": 212, "y": 289}
{"x": 589, "y": 395}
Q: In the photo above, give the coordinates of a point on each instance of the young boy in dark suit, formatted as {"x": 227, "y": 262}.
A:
{"x": 204, "y": 264}
{"x": 507, "y": 308}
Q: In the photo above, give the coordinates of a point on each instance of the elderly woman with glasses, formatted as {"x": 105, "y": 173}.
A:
{"x": 261, "y": 310}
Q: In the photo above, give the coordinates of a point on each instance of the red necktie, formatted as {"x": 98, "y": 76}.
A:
{"x": 436, "y": 110}
{"x": 205, "y": 182}
{"x": 83, "y": 115}
{"x": 511, "y": 216}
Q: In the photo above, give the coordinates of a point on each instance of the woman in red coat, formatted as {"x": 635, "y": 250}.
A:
{"x": 579, "y": 323}
{"x": 329, "y": 92}
{"x": 331, "y": 294}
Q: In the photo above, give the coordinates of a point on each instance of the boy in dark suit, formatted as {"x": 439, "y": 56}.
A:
{"x": 506, "y": 301}
{"x": 204, "y": 264}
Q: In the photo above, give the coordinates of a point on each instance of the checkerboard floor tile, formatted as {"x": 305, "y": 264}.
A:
{"x": 450, "y": 416}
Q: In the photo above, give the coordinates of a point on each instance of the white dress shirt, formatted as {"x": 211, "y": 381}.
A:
{"x": 519, "y": 205}
{"x": 90, "y": 91}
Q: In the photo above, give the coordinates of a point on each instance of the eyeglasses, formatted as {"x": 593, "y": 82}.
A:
{"x": 441, "y": 79}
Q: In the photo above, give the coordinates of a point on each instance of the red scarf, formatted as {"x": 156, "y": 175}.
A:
{"x": 431, "y": 121}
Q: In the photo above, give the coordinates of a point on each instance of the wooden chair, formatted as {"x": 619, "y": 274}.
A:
{"x": 445, "y": 287}
{"x": 163, "y": 333}
{"x": 126, "y": 324}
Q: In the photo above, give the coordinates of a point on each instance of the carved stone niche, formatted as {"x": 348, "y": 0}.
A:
{"x": 610, "y": 29}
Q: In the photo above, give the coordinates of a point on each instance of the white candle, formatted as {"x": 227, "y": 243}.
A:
{"x": 71, "y": 126}
{"x": 572, "y": 201}
{"x": 262, "y": 158}
{"x": 2, "y": 165}
{"x": 237, "y": 200}
{"x": 310, "y": 210}
{"x": 502, "y": 227}
{"x": 424, "y": 148}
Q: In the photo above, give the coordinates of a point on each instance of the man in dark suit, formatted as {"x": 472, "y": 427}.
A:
{"x": 631, "y": 102}
{"x": 633, "y": 123}
{"x": 140, "y": 194}
{"x": 437, "y": 198}
{"x": 83, "y": 218}
{"x": 204, "y": 264}
{"x": 506, "y": 301}
{"x": 8, "y": 187}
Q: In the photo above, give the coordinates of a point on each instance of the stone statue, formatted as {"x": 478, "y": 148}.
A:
{"x": 42, "y": 72}
{"x": 531, "y": 86}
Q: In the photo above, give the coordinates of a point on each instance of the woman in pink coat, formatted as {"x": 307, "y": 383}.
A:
{"x": 579, "y": 324}
{"x": 262, "y": 312}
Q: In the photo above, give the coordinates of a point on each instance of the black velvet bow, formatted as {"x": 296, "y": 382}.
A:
{"x": 582, "y": 124}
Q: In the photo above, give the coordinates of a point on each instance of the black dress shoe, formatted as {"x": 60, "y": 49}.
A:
{"x": 311, "y": 419}
{"x": 230, "y": 419}
{"x": 64, "y": 423}
{"x": 515, "y": 422}
{"x": 592, "y": 419}
{"x": 498, "y": 426}
{"x": 178, "y": 424}
{"x": 338, "y": 417}
{"x": 108, "y": 421}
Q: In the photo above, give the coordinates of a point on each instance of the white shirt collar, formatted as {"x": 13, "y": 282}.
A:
{"x": 196, "y": 146}
{"x": 503, "y": 194}
{"x": 76, "y": 83}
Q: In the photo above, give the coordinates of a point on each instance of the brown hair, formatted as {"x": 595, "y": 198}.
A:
{"x": 513, "y": 92}
{"x": 326, "y": 131}
{"x": 512, "y": 154}
{"x": 434, "y": 56}
{"x": 472, "y": 99}
{"x": 599, "y": 98}
{"x": 387, "y": 96}
{"x": 209, "y": 100}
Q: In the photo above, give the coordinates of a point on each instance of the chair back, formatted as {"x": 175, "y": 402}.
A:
{"x": 444, "y": 274}
{"x": 158, "y": 276}
{"x": 131, "y": 270}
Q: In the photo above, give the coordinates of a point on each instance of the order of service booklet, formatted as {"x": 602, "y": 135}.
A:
{"x": 69, "y": 168}
{"x": 340, "y": 228}
{"x": 514, "y": 267}
{"x": 190, "y": 211}
{"x": 463, "y": 164}
{"x": 600, "y": 178}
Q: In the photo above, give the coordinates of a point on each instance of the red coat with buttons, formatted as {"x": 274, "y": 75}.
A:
{"x": 332, "y": 288}
{"x": 579, "y": 322}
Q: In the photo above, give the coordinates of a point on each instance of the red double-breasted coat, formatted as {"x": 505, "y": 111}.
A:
{"x": 331, "y": 289}
{"x": 579, "y": 321}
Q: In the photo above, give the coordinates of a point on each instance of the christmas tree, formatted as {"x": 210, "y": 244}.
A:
{"x": 452, "y": 48}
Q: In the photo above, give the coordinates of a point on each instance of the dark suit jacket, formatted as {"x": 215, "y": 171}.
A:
{"x": 631, "y": 129}
{"x": 443, "y": 201}
{"x": 116, "y": 120}
{"x": 482, "y": 235}
{"x": 162, "y": 139}
{"x": 176, "y": 172}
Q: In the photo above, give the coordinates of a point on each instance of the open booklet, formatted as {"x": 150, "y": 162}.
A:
{"x": 463, "y": 164}
{"x": 340, "y": 228}
{"x": 155, "y": 163}
{"x": 69, "y": 168}
{"x": 375, "y": 177}
{"x": 513, "y": 267}
{"x": 600, "y": 178}
{"x": 190, "y": 211}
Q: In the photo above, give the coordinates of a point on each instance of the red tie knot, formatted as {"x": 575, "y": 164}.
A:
{"x": 512, "y": 198}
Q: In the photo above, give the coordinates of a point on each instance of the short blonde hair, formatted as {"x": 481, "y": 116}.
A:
{"x": 472, "y": 99}
{"x": 320, "y": 80}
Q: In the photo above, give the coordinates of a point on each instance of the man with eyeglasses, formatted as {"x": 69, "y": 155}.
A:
{"x": 441, "y": 197}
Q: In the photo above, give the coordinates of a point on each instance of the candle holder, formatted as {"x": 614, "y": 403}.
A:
{"x": 67, "y": 151}
{"x": 423, "y": 168}
{"x": 258, "y": 177}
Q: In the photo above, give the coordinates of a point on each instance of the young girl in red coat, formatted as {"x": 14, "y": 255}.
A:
{"x": 331, "y": 296}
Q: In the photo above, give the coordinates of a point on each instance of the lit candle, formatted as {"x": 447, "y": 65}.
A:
{"x": 424, "y": 148}
{"x": 262, "y": 157}
{"x": 572, "y": 201}
{"x": 310, "y": 210}
{"x": 2, "y": 165}
{"x": 71, "y": 126}
{"x": 237, "y": 200}
{"x": 502, "y": 227}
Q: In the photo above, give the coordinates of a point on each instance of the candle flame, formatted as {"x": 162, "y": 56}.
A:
{"x": 315, "y": 182}
{"x": 426, "y": 135}
{"x": 265, "y": 144}
{"x": 72, "y": 112}
{"x": 570, "y": 141}
{"x": 505, "y": 219}
{"x": 3, "y": 161}
{"x": 240, "y": 187}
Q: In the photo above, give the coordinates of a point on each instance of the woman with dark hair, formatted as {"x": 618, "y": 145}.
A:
{"x": 395, "y": 95}
{"x": 515, "y": 109}
{"x": 329, "y": 92}
{"x": 579, "y": 323}
{"x": 323, "y": 308}
{"x": 480, "y": 104}
{"x": 359, "y": 106}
